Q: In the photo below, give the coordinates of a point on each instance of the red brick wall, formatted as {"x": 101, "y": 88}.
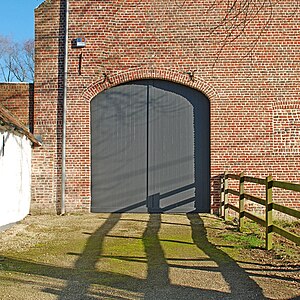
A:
{"x": 18, "y": 98}
{"x": 252, "y": 84}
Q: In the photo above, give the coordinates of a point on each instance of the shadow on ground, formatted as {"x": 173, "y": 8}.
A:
{"x": 85, "y": 281}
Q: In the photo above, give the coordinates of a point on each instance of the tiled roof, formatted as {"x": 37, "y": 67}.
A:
{"x": 11, "y": 123}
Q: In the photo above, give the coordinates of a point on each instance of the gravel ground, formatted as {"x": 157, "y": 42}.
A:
{"x": 138, "y": 256}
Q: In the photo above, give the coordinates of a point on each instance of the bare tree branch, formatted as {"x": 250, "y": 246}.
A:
{"x": 236, "y": 19}
{"x": 16, "y": 60}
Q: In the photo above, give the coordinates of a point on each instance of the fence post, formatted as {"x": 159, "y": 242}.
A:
{"x": 269, "y": 215}
{"x": 241, "y": 202}
{"x": 225, "y": 195}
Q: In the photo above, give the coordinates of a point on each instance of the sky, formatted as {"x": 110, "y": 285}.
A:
{"x": 17, "y": 18}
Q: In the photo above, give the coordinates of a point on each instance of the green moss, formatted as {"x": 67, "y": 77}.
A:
{"x": 244, "y": 240}
{"x": 74, "y": 247}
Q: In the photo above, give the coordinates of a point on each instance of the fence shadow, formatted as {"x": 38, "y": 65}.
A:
{"x": 240, "y": 284}
{"x": 87, "y": 281}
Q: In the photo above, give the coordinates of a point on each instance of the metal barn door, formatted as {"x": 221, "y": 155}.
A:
{"x": 150, "y": 148}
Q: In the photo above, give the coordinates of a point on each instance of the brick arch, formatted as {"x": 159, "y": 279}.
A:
{"x": 139, "y": 74}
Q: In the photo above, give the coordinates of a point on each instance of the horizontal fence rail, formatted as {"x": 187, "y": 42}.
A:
{"x": 268, "y": 204}
{"x": 255, "y": 180}
{"x": 287, "y": 185}
{"x": 255, "y": 199}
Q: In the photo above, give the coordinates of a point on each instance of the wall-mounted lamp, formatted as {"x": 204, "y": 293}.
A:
{"x": 79, "y": 42}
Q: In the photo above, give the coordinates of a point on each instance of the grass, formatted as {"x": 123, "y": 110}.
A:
{"x": 253, "y": 237}
{"x": 244, "y": 240}
{"x": 104, "y": 253}
{"x": 293, "y": 226}
{"x": 250, "y": 237}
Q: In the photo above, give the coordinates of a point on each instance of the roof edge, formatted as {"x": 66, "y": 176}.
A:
{"x": 12, "y": 122}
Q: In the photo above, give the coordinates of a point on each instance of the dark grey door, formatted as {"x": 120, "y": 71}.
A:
{"x": 150, "y": 149}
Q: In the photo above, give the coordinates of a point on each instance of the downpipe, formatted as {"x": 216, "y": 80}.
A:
{"x": 64, "y": 124}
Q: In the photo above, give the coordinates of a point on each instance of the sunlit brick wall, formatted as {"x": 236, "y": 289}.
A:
{"x": 252, "y": 83}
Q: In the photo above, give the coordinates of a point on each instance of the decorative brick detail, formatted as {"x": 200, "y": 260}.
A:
{"x": 286, "y": 129}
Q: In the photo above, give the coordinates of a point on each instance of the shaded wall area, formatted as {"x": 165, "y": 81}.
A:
{"x": 18, "y": 99}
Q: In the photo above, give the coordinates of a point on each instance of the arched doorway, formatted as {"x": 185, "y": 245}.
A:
{"x": 150, "y": 147}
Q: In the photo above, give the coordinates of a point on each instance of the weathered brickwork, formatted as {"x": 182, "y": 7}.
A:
{"x": 18, "y": 98}
{"x": 252, "y": 83}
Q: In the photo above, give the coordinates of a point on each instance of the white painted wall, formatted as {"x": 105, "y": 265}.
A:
{"x": 15, "y": 177}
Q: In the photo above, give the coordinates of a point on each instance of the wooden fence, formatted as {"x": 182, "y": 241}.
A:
{"x": 268, "y": 203}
